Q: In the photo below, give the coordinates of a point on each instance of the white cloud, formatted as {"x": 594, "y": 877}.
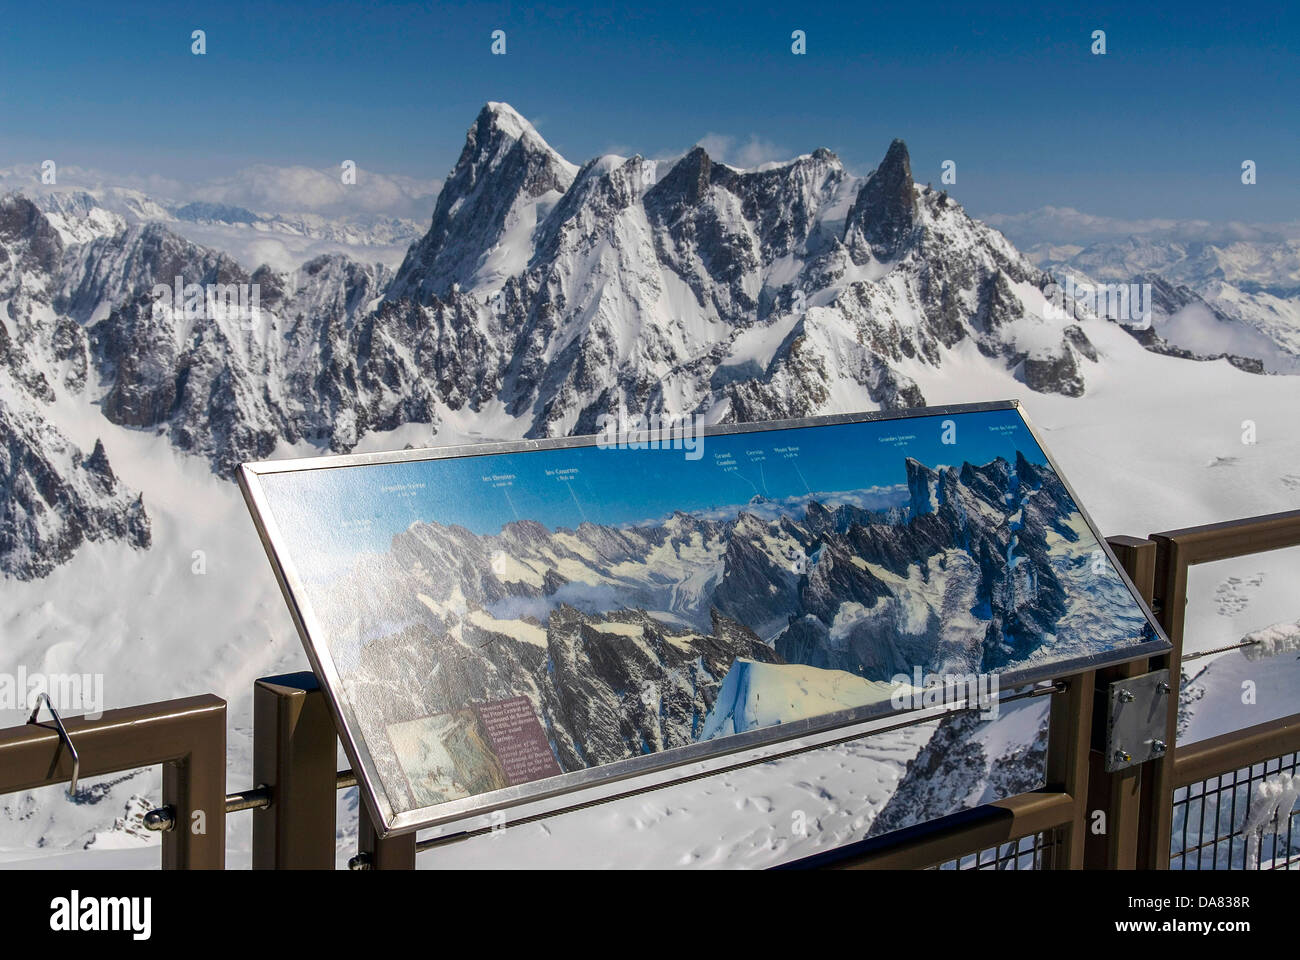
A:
{"x": 284, "y": 251}
{"x": 1068, "y": 225}
{"x": 723, "y": 148}
{"x": 261, "y": 188}
{"x": 26, "y": 177}
{"x": 298, "y": 189}
{"x": 754, "y": 152}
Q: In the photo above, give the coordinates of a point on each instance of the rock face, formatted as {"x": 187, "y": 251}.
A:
{"x": 1054, "y": 374}
{"x": 965, "y": 764}
{"x": 230, "y": 387}
{"x": 53, "y": 496}
{"x": 56, "y": 499}
{"x": 503, "y": 173}
{"x": 884, "y": 214}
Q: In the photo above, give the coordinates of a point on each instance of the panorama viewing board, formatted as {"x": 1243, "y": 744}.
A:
{"x": 499, "y": 623}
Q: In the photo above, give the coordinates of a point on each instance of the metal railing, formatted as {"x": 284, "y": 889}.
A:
{"x": 1210, "y": 822}
{"x": 1221, "y": 819}
{"x": 188, "y": 737}
{"x": 1191, "y": 801}
{"x": 1033, "y": 852}
{"x": 1182, "y": 767}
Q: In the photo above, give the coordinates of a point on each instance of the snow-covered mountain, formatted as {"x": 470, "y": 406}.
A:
{"x": 282, "y": 238}
{"x": 556, "y": 292}
{"x": 548, "y": 291}
{"x": 55, "y": 495}
{"x": 1226, "y": 296}
{"x": 542, "y": 295}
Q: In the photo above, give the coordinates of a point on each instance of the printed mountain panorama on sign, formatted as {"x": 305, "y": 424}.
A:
{"x": 628, "y": 639}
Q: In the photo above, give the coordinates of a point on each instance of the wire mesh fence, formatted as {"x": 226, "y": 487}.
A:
{"x": 1032, "y": 852}
{"x": 1242, "y": 819}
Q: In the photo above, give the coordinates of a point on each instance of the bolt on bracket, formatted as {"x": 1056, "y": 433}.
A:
{"x": 1136, "y": 711}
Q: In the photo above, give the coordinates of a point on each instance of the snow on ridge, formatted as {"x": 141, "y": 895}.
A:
{"x": 755, "y": 695}
{"x": 516, "y": 126}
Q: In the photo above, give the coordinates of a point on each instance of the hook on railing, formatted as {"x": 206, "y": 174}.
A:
{"x": 63, "y": 735}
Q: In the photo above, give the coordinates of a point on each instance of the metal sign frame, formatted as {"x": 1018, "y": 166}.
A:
{"x": 389, "y": 822}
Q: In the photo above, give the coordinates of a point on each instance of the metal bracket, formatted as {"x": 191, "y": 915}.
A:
{"x": 1136, "y": 711}
{"x": 63, "y": 735}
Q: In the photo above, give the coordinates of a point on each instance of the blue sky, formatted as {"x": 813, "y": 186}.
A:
{"x": 331, "y": 514}
{"x": 1158, "y": 126}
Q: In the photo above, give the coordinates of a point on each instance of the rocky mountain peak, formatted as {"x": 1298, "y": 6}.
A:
{"x": 97, "y": 464}
{"x": 497, "y": 130}
{"x": 24, "y": 227}
{"x": 504, "y": 170}
{"x": 689, "y": 178}
{"x": 506, "y": 119}
{"x": 884, "y": 213}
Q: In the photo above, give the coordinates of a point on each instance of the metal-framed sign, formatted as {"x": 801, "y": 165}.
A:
{"x": 500, "y": 623}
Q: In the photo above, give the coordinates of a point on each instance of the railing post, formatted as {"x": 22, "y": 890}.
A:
{"x": 295, "y": 749}
{"x": 194, "y": 787}
{"x": 1158, "y": 787}
{"x": 1069, "y": 736}
{"x": 1118, "y": 795}
{"x": 395, "y": 853}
